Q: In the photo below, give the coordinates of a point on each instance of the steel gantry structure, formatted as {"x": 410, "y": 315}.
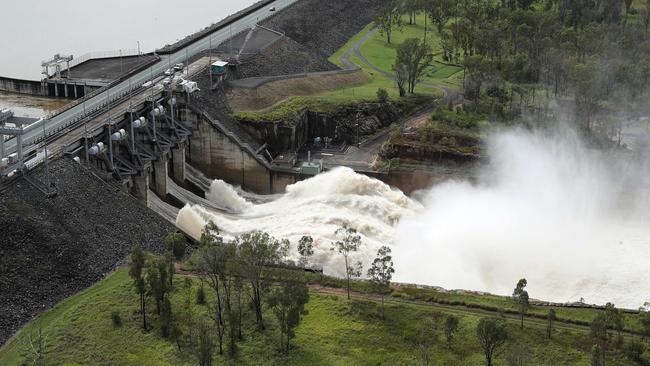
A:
{"x": 52, "y": 126}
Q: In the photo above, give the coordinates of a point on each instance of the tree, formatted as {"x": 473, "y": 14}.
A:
{"x": 492, "y": 334}
{"x": 204, "y": 343}
{"x": 597, "y": 357}
{"x": 634, "y": 351}
{"x": 257, "y": 251}
{"x": 211, "y": 265}
{"x": 645, "y": 320}
{"x": 451, "y": 327}
{"x": 615, "y": 318}
{"x": 599, "y": 330}
{"x": 388, "y": 18}
{"x": 136, "y": 269}
{"x": 381, "y": 272}
{"x": 305, "y": 249}
{"x": 401, "y": 77}
{"x": 413, "y": 58}
{"x": 176, "y": 243}
{"x": 157, "y": 278}
{"x": 520, "y": 295}
{"x": 439, "y": 11}
{"x": 288, "y": 303}
{"x": 349, "y": 243}
{"x": 166, "y": 319}
{"x": 550, "y": 319}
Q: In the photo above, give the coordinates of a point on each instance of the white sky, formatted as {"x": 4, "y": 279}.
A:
{"x": 33, "y": 30}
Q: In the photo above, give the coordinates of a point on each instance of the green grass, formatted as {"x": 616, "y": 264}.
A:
{"x": 334, "y": 332}
{"x": 381, "y": 54}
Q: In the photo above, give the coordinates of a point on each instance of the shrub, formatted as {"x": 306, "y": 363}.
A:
{"x": 116, "y": 318}
{"x": 634, "y": 350}
{"x": 176, "y": 244}
{"x": 200, "y": 296}
{"x": 382, "y": 95}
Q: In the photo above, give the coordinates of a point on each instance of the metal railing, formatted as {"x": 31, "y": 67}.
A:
{"x": 103, "y": 54}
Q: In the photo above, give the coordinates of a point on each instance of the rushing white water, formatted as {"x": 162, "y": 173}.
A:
{"x": 315, "y": 207}
{"x": 550, "y": 210}
{"x": 571, "y": 220}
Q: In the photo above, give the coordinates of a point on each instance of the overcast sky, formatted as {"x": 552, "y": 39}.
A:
{"x": 33, "y": 30}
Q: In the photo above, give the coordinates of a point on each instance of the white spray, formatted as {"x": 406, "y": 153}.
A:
{"x": 546, "y": 208}
{"x": 549, "y": 210}
{"x": 315, "y": 207}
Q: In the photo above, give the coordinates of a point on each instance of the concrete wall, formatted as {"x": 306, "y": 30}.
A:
{"x": 22, "y": 86}
{"x": 219, "y": 157}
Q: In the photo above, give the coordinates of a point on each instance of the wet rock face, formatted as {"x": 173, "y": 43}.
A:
{"x": 53, "y": 248}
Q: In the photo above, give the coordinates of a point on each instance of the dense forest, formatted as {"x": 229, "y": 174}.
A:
{"x": 591, "y": 57}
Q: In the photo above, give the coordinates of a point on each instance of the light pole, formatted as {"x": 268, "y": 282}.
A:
{"x": 47, "y": 167}
{"x": 86, "y": 134}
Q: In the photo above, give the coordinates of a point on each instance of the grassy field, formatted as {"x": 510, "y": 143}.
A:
{"x": 335, "y": 332}
{"x": 381, "y": 54}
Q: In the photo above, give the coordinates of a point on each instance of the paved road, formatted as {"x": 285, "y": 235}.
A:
{"x": 34, "y": 133}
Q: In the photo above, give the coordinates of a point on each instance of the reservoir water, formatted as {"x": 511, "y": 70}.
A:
{"x": 32, "y": 31}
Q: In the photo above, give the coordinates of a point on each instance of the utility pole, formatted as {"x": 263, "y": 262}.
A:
{"x": 86, "y": 134}
{"x": 210, "y": 63}
{"x": 110, "y": 133}
{"x": 47, "y": 167}
{"x": 153, "y": 106}
{"x": 187, "y": 62}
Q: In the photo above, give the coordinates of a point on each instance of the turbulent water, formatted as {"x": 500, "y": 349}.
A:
{"x": 570, "y": 220}
{"x": 315, "y": 207}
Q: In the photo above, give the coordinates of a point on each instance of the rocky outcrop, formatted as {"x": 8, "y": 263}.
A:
{"x": 342, "y": 125}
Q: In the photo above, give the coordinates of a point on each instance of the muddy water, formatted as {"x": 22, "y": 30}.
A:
{"x": 29, "y": 105}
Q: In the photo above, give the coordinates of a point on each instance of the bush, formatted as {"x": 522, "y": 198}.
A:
{"x": 382, "y": 95}
{"x": 176, "y": 244}
{"x": 200, "y": 296}
{"x": 116, "y": 318}
{"x": 634, "y": 350}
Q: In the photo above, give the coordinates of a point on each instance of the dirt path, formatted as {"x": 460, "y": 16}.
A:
{"x": 459, "y": 310}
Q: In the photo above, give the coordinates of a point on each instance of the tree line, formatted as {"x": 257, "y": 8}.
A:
{"x": 249, "y": 277}
{"x": 593, "y": 53}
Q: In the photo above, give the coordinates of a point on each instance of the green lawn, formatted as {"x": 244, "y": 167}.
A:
{"x": 334, "y": 332}
{"x": 365, "y": 92}
{"x": 381, "y": 54}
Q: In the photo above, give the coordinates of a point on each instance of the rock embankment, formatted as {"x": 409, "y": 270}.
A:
{"x": 324, "y": 26}
{"x": 314, "y": 30}
{"x": 51, "y": 248}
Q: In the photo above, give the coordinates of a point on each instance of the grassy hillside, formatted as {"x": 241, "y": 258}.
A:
{"x": 336, "y": 331}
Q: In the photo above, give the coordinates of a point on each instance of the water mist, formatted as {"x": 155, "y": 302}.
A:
{"x": 546, "y": 208}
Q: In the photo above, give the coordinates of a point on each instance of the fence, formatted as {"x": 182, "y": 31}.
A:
{"x": 103, "y": 54}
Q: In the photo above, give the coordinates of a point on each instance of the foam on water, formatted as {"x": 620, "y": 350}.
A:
{"x": 316, "y": 207}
